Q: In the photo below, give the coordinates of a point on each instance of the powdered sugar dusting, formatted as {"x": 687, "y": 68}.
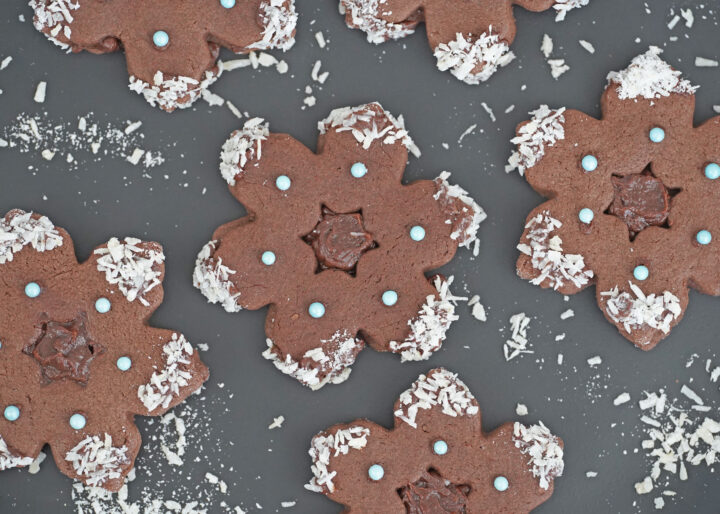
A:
{"x": 326, "y": 445}
{"x": 96, "y": 460}
{"x": 649, "y": 77}
{"x": 473, "y": 60}
{"x": 543, "y": 449}
{"x": 544, "y": 128}
{"x": 365, "y": 15}
{"x": 279, "y": 19}
{"x": 22, "y": 229}
{"x": 10, "y": 460}
{"x": 212, "y": 278}
{"x": 466, "y": 222}
{"x": 242, "y": 147}
{"x": 438, "y": 388}
{"x": 165, "y": 384}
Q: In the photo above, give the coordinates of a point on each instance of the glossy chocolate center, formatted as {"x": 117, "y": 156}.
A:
{"x": 432, "y": 494}
{"x": 641, "y": 200}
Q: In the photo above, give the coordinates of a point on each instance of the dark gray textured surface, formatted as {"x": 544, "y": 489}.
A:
{"x": 112, "y": 198}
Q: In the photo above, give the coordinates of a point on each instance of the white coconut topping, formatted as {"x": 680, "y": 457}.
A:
{"x": 21, "y": 229}
{"x": 165, "y": 384}
{"x": 473, "y": 60}
{"x": 563, "y": 6}
{"x": 173, "y": 92}
{"x": 467, "y": 221}
{"x": 365, "y": 15}
{"x": 55, "y": 15}
{"x": 544, "y": 450}
{"x": 439, "y": 388}
{"x": 544, "y": 128}
{"x": 10, "y": 460}
{"x": 649, "y": 77}
{"x": 368, "y": 126}
{"x": 636, "y": 310}
{"x": 96, "y": 460}
{"x": 131, "y": 265}
{"x": 279, "y": 19}
{"x": 428, "y": 329}
{"x": 244, "y": 146}
{"x": 326, "y": 445}
{"x": 328, "y": 363}
{"x": 548, "y": 257}
{"x": 212, "y": 278}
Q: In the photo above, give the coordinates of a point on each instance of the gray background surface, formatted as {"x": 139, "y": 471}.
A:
{"x": 111, "y": 197}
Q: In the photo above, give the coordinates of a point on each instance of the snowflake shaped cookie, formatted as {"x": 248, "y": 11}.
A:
{"x": 631, "y": 197}
{"x": 336, "y": 244}
{"x": 77, "y": 357}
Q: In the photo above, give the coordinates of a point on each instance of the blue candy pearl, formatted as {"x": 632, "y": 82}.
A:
{"x": 227, "y": 4}
{"x": 316, "y": 310}
{"x": 102, "y": 305}
{"x": 501, "y": 483}
{"x": 376, "y": 472}
{"x": 32, "y": 290}
{"x": 283, "y": 182}
{"x": 124, "y": 363}
{"x": 268, "y": 258}
{"x": 712, "y": 171}
{"x": 657, "y": 134}
{"x": 417, "y": 233}
{"x": 0, "y": 345}
{"x": 703, "y": 237}
{"x": 641, "y": 272}
{"x": 589, "y": 163}
{"x": 586, "y": 215}
{"x": 77, "y": 421}
{"x": 12, "y": 413}
{"x": 161, "y": 38}
{"x": 389, "y": 297}
{"x": 358, "y": 170}
{"x": 440, "y": 447}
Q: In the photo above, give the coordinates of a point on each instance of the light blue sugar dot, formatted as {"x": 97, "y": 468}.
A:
{"x": 316, "y": 310}
{"x": 124, "y": 363}
{"x": 586, "y": 215}
{"x": 77, "y": 421}
{"x": 440, "y": 447}
{"x": 589, "y": 163}
{"x": 358, "y": 170}
{"x": 703, "y": 237}
{"x": 32, "y": 290}
{"x": 12, "y": 413}
{"x": 417, "y": 233}
{"x": 641, "y": 272}
{"x": 0, "y": 345}
{"x": 283, "y": 182}
{"x": 227, "y": 4}
{"x": 102, "y": 305}
{"x": 657, "y": 134}
{"x": 376, "y": 472}
{"x": 389, "y": 297}
{"x": 501, "y": 483}
{"x": 712, "y": 170}
{"x": 268, "y": 258}
{"x": 161, "y": 38}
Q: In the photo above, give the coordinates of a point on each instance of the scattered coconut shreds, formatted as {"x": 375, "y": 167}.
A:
{"x": 489, "y": 111}
{"x": 703, "y": 62}
{"x": 477, "y": 309}
{"x": 587, "y": 46}
{"x": 591, "y": 474}
{"x": 546, "y": 47}
{"x": 567, "y": 314}
{"x": 277, "y": 422}
{"x": 40, "y": 92}
{"x": 564, "y": 6}
{"x": 467, "y": 132}
{"x": 5, "y": 62}
{"x": 521, "y": 409}
{"x": 557, "y": 67}
{"x": 594, "y": 361}
{"x": 35, "y": 465}
{"x": 518, "y": 342}
{"x": 621, "y": 399}
{"x": 543, "y": 449}
{"x": 463, "y": 56}
{"x": 320, "y": 38}
{"x": 544, "y": 128}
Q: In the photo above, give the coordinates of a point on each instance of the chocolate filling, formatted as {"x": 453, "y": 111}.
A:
{"x": 339, "y": 240}
{"x": 64, "y": 349}
{"x": 432, "y": 494}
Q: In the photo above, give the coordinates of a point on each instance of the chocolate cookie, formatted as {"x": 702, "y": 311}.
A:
{"x": 77, "y": 358}
{"x": 436, "y": 459}
{"x": 632, "y": 200}
{"x": 471, "y": 38}
{"x": 171, "y": 46}
{"x": 336, "y": 245}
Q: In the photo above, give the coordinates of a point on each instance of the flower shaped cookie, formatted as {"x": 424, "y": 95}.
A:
{"x": 471, "y": 39}
{"x": 632, "y": 200}
{"x": 336, "y": 245}
{"x": 171, "y": 46}
{"x": 436, "y": 458}
{"x": 77, "y": 357}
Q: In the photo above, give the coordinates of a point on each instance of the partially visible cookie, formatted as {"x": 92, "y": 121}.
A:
{"x": 471, "y": 38}
{"x": 336, "y": 244}
{"x": 634, "y": 200}
{"x": 171, "y": 46}
{"x": 436, "y": 458}
{"x": 77, "y": 358}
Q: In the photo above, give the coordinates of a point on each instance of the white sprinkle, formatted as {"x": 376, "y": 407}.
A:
{"x": 40, "y": 92}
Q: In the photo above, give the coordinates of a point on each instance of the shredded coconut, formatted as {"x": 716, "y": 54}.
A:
{"x": 563, "y": 6}
{"x": 545, "y": 128}
{"x": 21, "y": 229}
{"x": 243, "y": 147}
{"x": 518, "y": 342}
{"x": 97, "y": 460}
{"x": 165, "y": 383}
{"x": 55, "y": 15}
{"x": 10, "y": 460}
{"x": 212, "y": 278}
{"x": 365, "y": 15}
{"x": 326, "y": 445}
{"x": 464, "y": 228}
{"x": 279, "y": 19}
{"x": 171, "y": 92}
{"x": 544, "y": 450}
{"x": 473, "y": 61}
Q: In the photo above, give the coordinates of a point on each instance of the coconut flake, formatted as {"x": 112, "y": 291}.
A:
{"x": 326, "y": 445}
{"x": 165, "y": 384}
{"x": 55, "y": 16}
{"x": 279, "y": 20}
{"x": 212, "y": 278}
{"x": 544, "y": 450}
{"x": 365, "y": 15}
{"x": 172, "y": 92}
{"x": 473, "y": 60}
{"x": 564, "y": 6}
{"x": 467, "y": 221}
{"x": 544, "y": 128}
{"x": 96, "y": 460}
{"x": 9, "y": 459}
{"x": 22, "y": 229}
{"x": 244, "y": 146}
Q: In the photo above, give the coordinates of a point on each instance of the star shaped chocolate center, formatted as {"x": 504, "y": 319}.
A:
{"x": 431, "y": 494}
